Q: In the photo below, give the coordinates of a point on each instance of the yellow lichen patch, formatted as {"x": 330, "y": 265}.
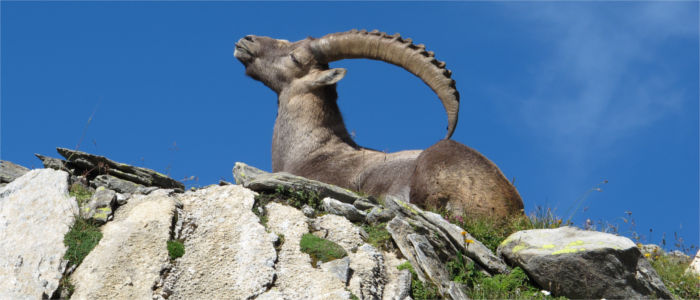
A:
{"x": 100, "y": 216}
{"x": 568, "y": 250}
{"x": 99, "y": 188}
{"x": 548, "y": 246}
{"x": 506, "y": 241}
{"x": 104, "y": 209}
{"x": 519, "y": 247}
{"x": 575, "y": 243}
{"x": 406, "y": 206}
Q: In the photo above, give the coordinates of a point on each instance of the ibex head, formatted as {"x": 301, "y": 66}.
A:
{"x": 302, "y": 66}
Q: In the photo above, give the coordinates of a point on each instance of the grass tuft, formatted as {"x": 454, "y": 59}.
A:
{"x": 672, "y": 272}
{"x": 80, "y": 240}
{"x": 176, "y": 249}
{"x": 320, "y": 249}
{"x": 378, "y": 236}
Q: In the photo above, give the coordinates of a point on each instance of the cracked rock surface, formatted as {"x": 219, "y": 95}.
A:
{"x": 128, "y": 261}
{"x": 296, "y": 278}
{"x": 228, "y": 253}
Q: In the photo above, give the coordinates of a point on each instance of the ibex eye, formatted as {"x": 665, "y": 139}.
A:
{"x": 294, "y": 59}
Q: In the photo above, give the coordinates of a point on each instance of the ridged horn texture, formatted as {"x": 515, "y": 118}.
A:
{"x": 398, "y": 51}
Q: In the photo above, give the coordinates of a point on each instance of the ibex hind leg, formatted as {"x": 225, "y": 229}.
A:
{"x": 454, "y": 177}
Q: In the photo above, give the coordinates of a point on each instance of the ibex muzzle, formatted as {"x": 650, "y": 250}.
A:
{"x": 310, "y": 138}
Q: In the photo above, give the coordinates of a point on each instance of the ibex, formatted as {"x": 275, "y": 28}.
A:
{"x": 310, "y": 138}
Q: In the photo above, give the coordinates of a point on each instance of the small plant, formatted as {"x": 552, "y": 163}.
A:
{"x": 82, "y": 237}
{"x": 378, "y": 236}
{"x": 419, "y": 290}
{"x": 514, "y": 285}
{"x": 176, "y": 249}
{"x": 81, "y": 193}
{"x": 295, "y": 198}
{"x": 320, "y": 249}
{"x": 672, "y": 272}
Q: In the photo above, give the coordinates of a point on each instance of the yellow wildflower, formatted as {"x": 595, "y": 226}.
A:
{"x": 468, "y": 241}
{"x": 647, "y": 255}
{"x": 464, "y": 233}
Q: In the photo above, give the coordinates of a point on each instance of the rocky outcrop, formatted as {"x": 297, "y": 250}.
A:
{"x": 10, "y": 171}
{"x": 565, "y": 259}
{"x": 89, "y": 165}
{"x": 128, "y": 261}
{"x": 242, "y": 245}
{"x": 35, "y": 214}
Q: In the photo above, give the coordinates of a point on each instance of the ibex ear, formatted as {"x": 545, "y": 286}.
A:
{"x": 328, "y": 77}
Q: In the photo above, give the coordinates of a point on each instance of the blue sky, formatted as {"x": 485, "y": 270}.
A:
{"x": 560, "y": 95}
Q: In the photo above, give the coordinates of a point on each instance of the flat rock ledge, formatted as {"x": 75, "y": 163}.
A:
{"x": 35, "y": 214}
{"x": 261, "y": 181}
{"x": 565, "y": 259}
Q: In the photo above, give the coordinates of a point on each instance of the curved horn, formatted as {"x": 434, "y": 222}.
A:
{"x": 398, "y": 51}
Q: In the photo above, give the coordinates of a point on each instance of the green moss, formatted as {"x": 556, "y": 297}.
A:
{"x": 419, "y": 289}
{"x": 80, "y": 240}
{"x": 176, "y": 249}
{"x": 320, "y": 249}
{"x": 679, "y": 283}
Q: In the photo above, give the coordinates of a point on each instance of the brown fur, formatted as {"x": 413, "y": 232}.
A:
{"x": 310, "y": 140}
{"x": 460, "y": 179}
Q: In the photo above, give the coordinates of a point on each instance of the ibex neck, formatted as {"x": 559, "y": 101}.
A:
{"x": 305, "y": 124}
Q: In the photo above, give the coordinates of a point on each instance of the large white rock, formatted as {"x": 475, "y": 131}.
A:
{"x": 228, "y": 253}
{"x": 695, "y": 265}
{"x": 35, "y": 214}
{"x": 128, "y": 261}
{"x": 565, "y": 259}
{"x": 296, "y": 278}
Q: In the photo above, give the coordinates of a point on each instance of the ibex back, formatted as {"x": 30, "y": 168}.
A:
{"x": 310, "y": 138}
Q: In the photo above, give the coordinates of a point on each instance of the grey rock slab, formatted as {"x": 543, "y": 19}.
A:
{"x": 363, "y": 204}
{"x": 10, "y": 171}
{"x": 52, "y": 163}
{"x": 103, "y": 165}
{"x": 369, "y": 276}
{"x": 399, "y": 229}
{"x": 379, "y": 215}
{"x": 118, "y": 185}
{"x": 565, "y": 259}
{"x": 261, "y": 181}
{"x": 100, "y": 207}
{"x": 128, "y": 261}
{"x": 398, "y": 282}
{"x": 228, "y": 253}
{"x": 343, "y": 209}
{"x": 428, "y": 260}
{"x": 338, "y": 230}
{"x": 340, "y": 268}
{"x": 35, "y": 214}
{"x": 467, "y": 244}
{"x": 295, "y": 277}
{"x": 400, "y": 288}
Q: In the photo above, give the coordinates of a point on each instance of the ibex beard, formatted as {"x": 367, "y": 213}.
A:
{"x": 310, "y": 138}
